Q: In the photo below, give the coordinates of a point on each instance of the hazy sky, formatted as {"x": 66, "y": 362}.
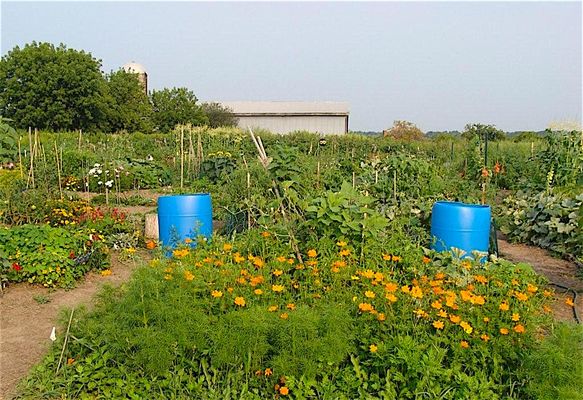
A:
{"x": 439, "y": 64}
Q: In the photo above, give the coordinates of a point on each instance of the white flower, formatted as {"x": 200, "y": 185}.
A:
{"x": 53, "y": 336}
{"x": 100, "y": 183}
{"x": 109, "y": 184}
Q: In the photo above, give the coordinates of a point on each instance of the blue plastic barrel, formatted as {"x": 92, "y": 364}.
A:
{"x": 183, "y": 217}
{"x": 463, "y": 226}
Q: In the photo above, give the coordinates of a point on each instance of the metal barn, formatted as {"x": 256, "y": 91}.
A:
{"x": 283, "y": 117}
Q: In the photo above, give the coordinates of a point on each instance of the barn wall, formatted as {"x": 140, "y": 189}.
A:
{"x": 334, "y": 125}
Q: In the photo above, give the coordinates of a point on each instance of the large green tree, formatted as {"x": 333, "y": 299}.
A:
{"x": 175, "y": 106}
{"x": 51, "y": 87}
{"x": 219, "y": 115}
{"x": 482, "y": 131}
{"x": 128, "y": 106}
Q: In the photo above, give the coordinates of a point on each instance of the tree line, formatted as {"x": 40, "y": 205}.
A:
{"x": 60, "y": 89}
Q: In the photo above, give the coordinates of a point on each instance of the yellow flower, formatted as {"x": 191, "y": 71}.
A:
{"x": 238, "y": 258}
{"x": 464, "y": 344}
{"x": 188, "y": 275}
{"x": 521, "y": 296}
{"x": 381, "y": 317}
{"x": 277, "y": 288}
{"x": 272, "y": 308}
{"x": 442, "y": 313}
{"x": 344, "y": 252}
{"x": 504, "y": 331}
{"x": 281, "y": 259}
{"x": 481, "y": 278}
{"x": 258, "y": 291}
{"x": 240, "y": 301}
{"x": 364, "y": 307}
{"x": 405, "y": 289}
{"x": 547, "y": 293}
{"x": 437, "y": 305}
{"x": 466, "y": 327}
{"x": 227, "y": 247}
{"x": 277, "y": 272}
{"x": 416, "y": 292}
{"x": 391, "y": 297}
{"x": 386, "y": 257}
{"x": 216, "y": 294}
{"x": 312, "y": 253}
{"x": 438, "y": 324}
{"x": 265, "y": 234}
{"x": 370, "y": 294}
{"x": 516, "y": 317}
{"x": 531, "y": 288}
{"x": 341, "y": 244}
{"x": 486, "y": 319}
{"x": 373, "y": 348}
{"x": 258, "y": 262}
{"x": 268, "y": 372}
{"x": 421, "y": 313}
{"x": 106, "y": 272}
{"x": 168, "y": 277}
{"x": 367, "y": 274}
{"x": 455, "y": 319}
{"x": 396, "y": 258}
{"x": 485, "y": 337}
{"x": 284, "y": 315}
{"x": 504, "y": 306}
{"x": 290, "y": 306}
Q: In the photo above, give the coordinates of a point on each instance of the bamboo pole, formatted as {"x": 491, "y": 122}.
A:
{"x": 58, "y": 170}
{"x": 80, "y": 133}
{"x": 181, "y": 157}
{"x": 30, "y": 180}
{"x": 395, "y": 185}
{"x": 20, "y": 158}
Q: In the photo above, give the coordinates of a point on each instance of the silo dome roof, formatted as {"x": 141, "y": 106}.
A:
{"x": 134, "y": 67}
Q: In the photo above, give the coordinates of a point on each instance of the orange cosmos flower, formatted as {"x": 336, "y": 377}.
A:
{"x": 455, "y": 319}
{"x": 240, "y": 301}
{"x": 569, "y": 302}
{"x": 426, "y": 260}
{"x": 265, "y": 234}
{"x": 504, "y": 306}
{"x": 284, "y": 391}
{"x": 504, "y": 331}
{"x": 516, "y": 317}
{"x": 464, "y": 344}
{"x": 284, "y": 315}
{"x": 519, "y": 329}
{"x": 312, "y": 253}
{"x": 216, "y": 294}
{"x": 485, "y": 337}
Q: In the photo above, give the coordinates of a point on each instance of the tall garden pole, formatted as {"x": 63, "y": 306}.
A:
{"x": 181, "y": 157}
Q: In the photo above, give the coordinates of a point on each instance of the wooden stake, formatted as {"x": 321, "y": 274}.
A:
{"x": 80, "y": 133}
{"x": 318, "y": 175}
{"x": 353, "y": 180}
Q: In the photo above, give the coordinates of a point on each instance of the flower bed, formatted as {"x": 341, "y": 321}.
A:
{"x": 248, "y": 319}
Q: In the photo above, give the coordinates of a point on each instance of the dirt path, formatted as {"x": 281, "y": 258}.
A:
{"x": 556, "y": 270}
{"x": 26, "y": 324}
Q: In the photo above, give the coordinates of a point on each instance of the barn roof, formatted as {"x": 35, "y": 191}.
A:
{"x": 287, "y": 107}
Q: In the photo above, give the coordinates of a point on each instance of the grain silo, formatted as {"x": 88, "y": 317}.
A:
{"x": 135, "y": 68}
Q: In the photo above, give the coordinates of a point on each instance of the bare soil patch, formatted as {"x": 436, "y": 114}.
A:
{"x": 26, "y": 324}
